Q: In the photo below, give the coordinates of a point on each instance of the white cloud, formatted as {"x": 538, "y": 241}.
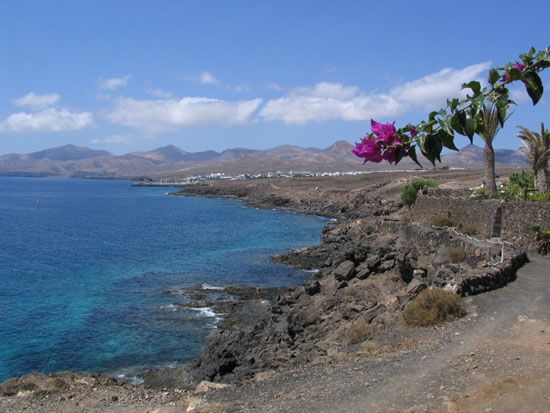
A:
{"x": 160, "y": 93}
{"x": 35, "y": 101}
{"x": 113, "y": 83}
{"x": 207, "y": 78}
{"x": 157, "y": 116}
{"x": 327, "y": 90}
{"x": 433, "y": 89}
{"x": 48, "y": 120}
{"x": 330, "y": 101}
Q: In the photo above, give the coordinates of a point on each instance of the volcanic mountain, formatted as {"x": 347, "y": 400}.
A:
{"x": 78, "y": 161}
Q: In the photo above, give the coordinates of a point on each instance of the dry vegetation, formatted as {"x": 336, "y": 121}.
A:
{"x": 433, "y": 306}
{"x": 456, "y": 254}
{"x": 361, "y": 331}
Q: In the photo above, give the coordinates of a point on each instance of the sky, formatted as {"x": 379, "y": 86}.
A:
{"x": 135, "y": 75}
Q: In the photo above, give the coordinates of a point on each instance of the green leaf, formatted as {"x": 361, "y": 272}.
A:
{"x": 533, "y": 85}
{"x": 470, "y": 128}
{"x": 502, "y": 104}
{"x": 412, "y": 155}
{"x": 494, "y": 76}
{"x": 399, "y": 154}
{"x": 453, "y": 104}
{"x": 474, "y": 85}
{"x": 447, "y": 140}
{"x": 445, "y": 124}
{"x": 433, "y": 147}
{"x": 457, "y": 122}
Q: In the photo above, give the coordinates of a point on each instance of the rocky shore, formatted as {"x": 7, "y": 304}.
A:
{"x": 370, "y": 263}
{"x": 369, "y": 266}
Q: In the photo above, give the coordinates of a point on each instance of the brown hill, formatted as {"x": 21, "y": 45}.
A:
{"x": 77, "y": 161}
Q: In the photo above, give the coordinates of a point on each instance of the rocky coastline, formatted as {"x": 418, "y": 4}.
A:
{"x": 369, "y": 265}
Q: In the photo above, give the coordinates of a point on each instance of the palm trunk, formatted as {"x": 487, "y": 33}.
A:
{"x": 489, "y": 160}
{"x": 541, "y": 180}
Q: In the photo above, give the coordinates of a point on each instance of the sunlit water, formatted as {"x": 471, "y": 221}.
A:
{"x": 83, "y": 267}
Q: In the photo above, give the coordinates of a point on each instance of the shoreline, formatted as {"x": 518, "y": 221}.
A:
{"x": 368, "y": 267}
{"x": 249, "y": 200}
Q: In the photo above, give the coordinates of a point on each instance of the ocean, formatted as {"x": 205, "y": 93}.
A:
{"x": 85, "y": 265}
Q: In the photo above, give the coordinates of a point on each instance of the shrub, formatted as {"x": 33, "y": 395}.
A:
{"x": 523, "y": 178}
{"x": 469, "y": 229}
{"x": 405, "y": 218}
{"x": 519, "y": 186}
{"x": 432, "y": 307}
{"x": 444, "y": 220}
{"x": 479, "y": 191}
{"x": 360, "y": 331}
{"x": 543, "y": 240}
{"x": 539, "y": 196}
{"x": 455, "y": 254}
{"x": 408, "y": 193}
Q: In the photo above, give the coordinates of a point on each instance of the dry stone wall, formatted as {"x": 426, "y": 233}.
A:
{"x": 514, "y": 221}
{"x": 467, "y": 212}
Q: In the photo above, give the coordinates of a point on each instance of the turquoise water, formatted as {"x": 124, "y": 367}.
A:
{"x": 84, "y": 264}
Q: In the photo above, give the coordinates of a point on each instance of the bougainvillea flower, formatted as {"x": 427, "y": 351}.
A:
{"x": 412, "y": 130}
{"x": 369, "y": 149}
{"x": 385, "y": 132}
{"x": 382, "y": 143}
{"x": 389, "y": 154}
{"x": 507, "y": 77}
{"x": 519, "y": 66}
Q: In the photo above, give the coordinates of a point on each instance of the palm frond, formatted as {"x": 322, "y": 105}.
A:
{"x": 491, "y": 125}
{"x": 536, "y": 146}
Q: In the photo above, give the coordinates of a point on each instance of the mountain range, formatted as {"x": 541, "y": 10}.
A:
{"x": 79, "y": 161}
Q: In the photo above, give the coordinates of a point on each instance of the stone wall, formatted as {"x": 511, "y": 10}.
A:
{"x": 516, "y": 220}
{"x": 482, "y": 269}
{"x": 467, "y": 212}
{"x": 519, "y": 217}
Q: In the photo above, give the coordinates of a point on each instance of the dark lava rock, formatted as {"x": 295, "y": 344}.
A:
{"x": 372, "y": 261}
{"x": 343, "y": 284}
{"x": 313, "y": 288}
{"x": 363, "y": 271}
{"x": 345, "y": 271}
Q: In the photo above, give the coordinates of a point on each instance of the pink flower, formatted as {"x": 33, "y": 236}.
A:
{"x": 382, "y": 143}
{"x": 369, "y": 149}
{"x": 385, "y": 132}
{"x": 389, "y": 154}
{"x": 412, "y": 130}
{"x": 519, "y": 66}
{"x": 508, "y": 77}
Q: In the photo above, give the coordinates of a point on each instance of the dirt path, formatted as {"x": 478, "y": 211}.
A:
{"x": 496, "y": 359}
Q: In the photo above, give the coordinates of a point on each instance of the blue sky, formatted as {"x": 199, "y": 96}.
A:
{"x": 134, "y": 75}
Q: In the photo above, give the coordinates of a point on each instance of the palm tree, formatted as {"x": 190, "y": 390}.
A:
{"x": 537, "y": 148}
{"x": 490, "y": 128}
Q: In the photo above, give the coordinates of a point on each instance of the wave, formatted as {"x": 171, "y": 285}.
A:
{"x": 169, "y": 307}
{"x": 211, "y": 287}
{"x": 312, "y": 271}
{"x": 133, "y": 380}
{"x": 206, "y": 311}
